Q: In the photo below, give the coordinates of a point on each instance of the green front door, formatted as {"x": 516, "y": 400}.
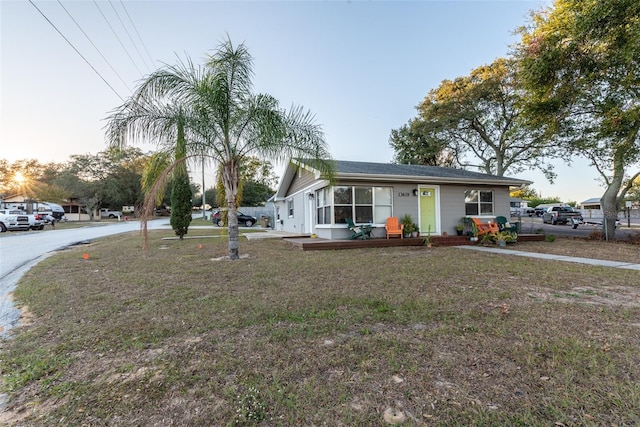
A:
{"x": 428, "y": 210}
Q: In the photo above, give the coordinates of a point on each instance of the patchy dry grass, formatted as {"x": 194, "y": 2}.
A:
{"x": 612, "y": 251}
{"x": 284, "y": 337}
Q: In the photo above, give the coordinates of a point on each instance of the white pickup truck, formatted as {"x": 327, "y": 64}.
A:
{"x": 11, "y": 220}
{"x": 108, "y": 213}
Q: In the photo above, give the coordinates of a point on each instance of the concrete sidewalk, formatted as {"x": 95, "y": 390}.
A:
{"x": 589, "y": 261}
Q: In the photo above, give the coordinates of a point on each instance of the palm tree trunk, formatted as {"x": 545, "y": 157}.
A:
{"x": 230, "y": 180}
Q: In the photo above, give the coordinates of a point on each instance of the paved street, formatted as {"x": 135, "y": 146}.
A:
{"x": 533, "y": 224}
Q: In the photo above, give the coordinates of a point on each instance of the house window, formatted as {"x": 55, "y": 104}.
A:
{"x": 342, "y": 204}
{"x": 362, "y": 204}
{"x": 382, "y": 209}
{"x": 290, "y": 207}
{"x": 478, "y": 202}
{"x": 323, "y": 206}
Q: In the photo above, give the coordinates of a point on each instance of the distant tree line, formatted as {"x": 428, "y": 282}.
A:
{"x": 114, "y": 178}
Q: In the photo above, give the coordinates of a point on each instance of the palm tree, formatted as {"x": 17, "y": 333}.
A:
{"x": 224, "y": 121}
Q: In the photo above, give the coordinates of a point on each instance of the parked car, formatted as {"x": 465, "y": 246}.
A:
{"x": 162, "y": 211}
{"x": 246, "y": 220}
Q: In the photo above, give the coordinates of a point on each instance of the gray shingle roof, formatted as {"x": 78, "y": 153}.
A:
{"x": 344, "y": 167}
{"x": 388, "y": 172}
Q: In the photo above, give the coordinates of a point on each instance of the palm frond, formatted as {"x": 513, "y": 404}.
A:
{"x": 232, "y": 68}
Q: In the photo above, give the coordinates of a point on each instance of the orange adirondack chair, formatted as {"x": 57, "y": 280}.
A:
{"x": 394, "y": 227}
{"x": 485, "y": 227}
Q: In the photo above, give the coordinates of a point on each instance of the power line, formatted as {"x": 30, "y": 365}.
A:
{"x": 137, "y": 33}
{"x": 77, "y": 51}
{"x": 116, "y": 34}
{"x": 92, "y": 44}
{"x": 135, "y": 46}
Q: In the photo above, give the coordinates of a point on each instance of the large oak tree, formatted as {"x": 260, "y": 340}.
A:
{"x": 479, "y": 120}
{"x": 413, "y": 144}
{"x": 580, "y": 61}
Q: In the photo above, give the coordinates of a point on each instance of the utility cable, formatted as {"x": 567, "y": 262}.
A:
{"x": 77, "y": 51}
{"x": 96, "y": 47}
{"x": 135, "y": 46}
{"x": 116, "y": 34}
{"x": 137, "y": 33}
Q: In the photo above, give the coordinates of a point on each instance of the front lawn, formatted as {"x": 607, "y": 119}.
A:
{"x": 437, "y": 336}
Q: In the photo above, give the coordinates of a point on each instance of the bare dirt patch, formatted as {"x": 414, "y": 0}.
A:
{"x": 616, "y": 296}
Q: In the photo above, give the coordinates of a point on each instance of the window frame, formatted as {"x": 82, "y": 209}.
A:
{"x": 323, "y": 206}
{"x": 479, "y": 203}
{"x": 290, "y": 209}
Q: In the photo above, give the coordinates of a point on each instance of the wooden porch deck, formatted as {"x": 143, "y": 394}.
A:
{"x": 318, "y": 244}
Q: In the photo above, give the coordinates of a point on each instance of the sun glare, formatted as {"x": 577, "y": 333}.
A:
{"x": 19, "y": 178}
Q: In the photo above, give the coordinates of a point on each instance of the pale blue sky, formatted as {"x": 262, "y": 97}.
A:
{"x": 360, "y": 67}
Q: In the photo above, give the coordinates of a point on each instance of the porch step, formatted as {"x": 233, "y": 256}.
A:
{"x": 465, "y": 240}
{"x": 451, "y": 240}
{"x": 315, "y": 244}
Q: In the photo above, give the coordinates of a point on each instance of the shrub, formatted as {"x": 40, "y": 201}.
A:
{"x": 634, "y": 238}
{"x": 408, "y": 224}
{"x": 595, "y": 235}
{"x": 181, "y": 204}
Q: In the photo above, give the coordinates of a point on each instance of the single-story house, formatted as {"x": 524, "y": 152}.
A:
{"x": 74, "y": 211}
{"x": 437, "y": 198}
